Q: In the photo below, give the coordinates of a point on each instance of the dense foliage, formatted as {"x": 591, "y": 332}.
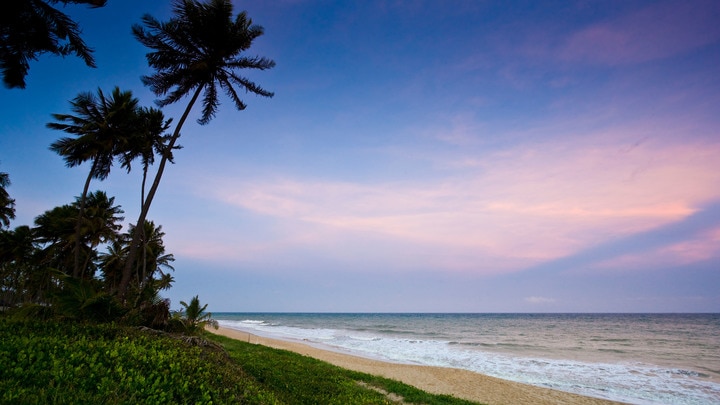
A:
{"x": 63, "y": 363}
{"x": 69, "y": 363}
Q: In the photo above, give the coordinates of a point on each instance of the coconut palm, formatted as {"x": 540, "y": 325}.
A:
{"x": 17, "y": 265}
{"x": 100, "y": 224}
{"x": 155, "y": 258}
{"x": 30, "y": 28}
{"x": 194, "y": 317}
{"x": 7, "y": 204}
{"x": 56, "y": 232}
{"x": 111, "y": 262}
{"x": 198, "y": 50}
{"x": 149, "y": 139}
{"x": 101, "y": 127}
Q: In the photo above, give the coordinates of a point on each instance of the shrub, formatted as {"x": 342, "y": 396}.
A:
{"x": 51, "y": 362}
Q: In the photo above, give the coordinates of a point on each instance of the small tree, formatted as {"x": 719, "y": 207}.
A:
{"x": 194, "y": 318}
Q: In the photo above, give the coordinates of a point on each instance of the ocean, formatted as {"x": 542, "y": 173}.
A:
{"x": 633, "y": 358}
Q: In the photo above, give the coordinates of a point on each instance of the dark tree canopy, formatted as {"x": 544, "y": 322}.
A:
{"x": 30, "y": 28}
{"x": 201, "y": 47}
{"x": 7, "y": 204}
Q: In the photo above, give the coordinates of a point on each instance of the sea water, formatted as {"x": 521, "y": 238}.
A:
{"x": 634, "y": 358}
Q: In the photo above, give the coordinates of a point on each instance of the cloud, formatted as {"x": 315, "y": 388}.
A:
{"x": 694, "y": 248}
{"x": 662, "y": 30}
{"x": 533, "y": 203}
{"x": 540, "y": 300}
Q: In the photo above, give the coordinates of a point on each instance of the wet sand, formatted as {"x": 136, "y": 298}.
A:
{"x": 438, "y": 380}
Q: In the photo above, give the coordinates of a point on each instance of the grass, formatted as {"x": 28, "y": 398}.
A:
{"x": 66, "y": 363}
{"x": 299, "y": 379}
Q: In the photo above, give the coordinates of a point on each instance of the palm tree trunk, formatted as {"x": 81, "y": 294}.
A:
{"x": 140, "y": 224}
{"x": 144, "y": 238}
{"x": 81, "y": 212}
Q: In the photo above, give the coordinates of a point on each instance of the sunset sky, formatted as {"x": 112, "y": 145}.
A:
{"x": 423, "y": 156}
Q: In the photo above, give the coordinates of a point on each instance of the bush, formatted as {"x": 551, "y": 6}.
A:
{"x": 51, "y": 362}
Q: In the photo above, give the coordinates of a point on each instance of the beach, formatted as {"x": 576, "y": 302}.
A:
{"x": 438, "y": 380}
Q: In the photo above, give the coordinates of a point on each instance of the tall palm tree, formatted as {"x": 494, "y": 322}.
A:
{"x": 198, "y": 50}
{"x": 148, "y": 140}
{"x": 29, "y": 28}
{"x": 101, "y": 126}
{"x": 7, "y": 204}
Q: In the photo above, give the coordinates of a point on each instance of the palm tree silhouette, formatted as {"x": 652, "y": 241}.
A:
{"x": 149, "y": 139}
{"x": 198, "y": 50}
{"x": 29, "y": 28}
{"x": 7, "y": 204}
{"x": 101, "y": 127}
{"x": 56, "y": 231}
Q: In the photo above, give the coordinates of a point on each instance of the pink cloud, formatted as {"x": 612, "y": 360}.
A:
{"x": 701, "y": 247}
{"x": 525, "y": 205}
{"x": 659, "y": 31}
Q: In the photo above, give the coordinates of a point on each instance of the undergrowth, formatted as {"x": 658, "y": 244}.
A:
{"x": 50, "y": 362}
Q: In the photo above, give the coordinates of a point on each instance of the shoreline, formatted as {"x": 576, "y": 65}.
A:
{"x": 437, "y": 380}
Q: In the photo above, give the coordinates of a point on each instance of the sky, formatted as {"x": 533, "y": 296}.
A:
{"x": 422, "y": 156}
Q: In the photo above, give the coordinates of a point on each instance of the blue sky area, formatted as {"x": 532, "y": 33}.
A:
{"x": 423, "y": 156}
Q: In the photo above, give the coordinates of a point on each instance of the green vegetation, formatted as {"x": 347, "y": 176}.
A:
{"x": 66, "y": 363}
{"x": 298, "y": 379}
{"x": 194, "y": 319}
{"x": 63, "y": 363}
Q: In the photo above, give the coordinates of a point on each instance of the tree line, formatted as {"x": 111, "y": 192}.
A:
{"x": 55, "y": 268}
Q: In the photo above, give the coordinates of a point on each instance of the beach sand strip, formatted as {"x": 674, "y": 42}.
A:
{"x": 437, "y": 380}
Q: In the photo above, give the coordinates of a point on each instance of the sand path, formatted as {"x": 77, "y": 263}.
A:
{"x": 438, "y": 380}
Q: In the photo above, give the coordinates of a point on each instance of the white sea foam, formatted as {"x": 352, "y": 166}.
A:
{"x": 625, "y": 380}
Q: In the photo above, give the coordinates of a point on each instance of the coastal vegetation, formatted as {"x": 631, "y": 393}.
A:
{"x": 56, "y": 268}
{"x": 71, "y": 362}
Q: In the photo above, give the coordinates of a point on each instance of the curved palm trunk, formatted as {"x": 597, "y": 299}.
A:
{"x": 144, "y": 238}
{"x": 76, "y": 268}
{"x": 140, "y": 224}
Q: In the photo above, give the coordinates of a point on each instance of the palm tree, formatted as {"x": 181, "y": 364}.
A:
{"x": 101, "y": 126}
{"x": 100, "y": 224}
{"x": 200, "y": 48}
{"x": 30, "y": 28}
{"x": 148, "y": 140}
{"x": 195, "y": 318}
{"x": 111, "y": 262}
{"x": 56, "y": 232}
{"x": 155, "y": 258}
{"x": 17, "y": 265}
{"x": 7, "y": 204}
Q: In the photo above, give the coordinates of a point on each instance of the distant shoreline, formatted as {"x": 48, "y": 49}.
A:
{"x": 437, "y": 380}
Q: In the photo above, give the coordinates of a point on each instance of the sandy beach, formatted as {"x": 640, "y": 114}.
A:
{"x": 459, "y": 383}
